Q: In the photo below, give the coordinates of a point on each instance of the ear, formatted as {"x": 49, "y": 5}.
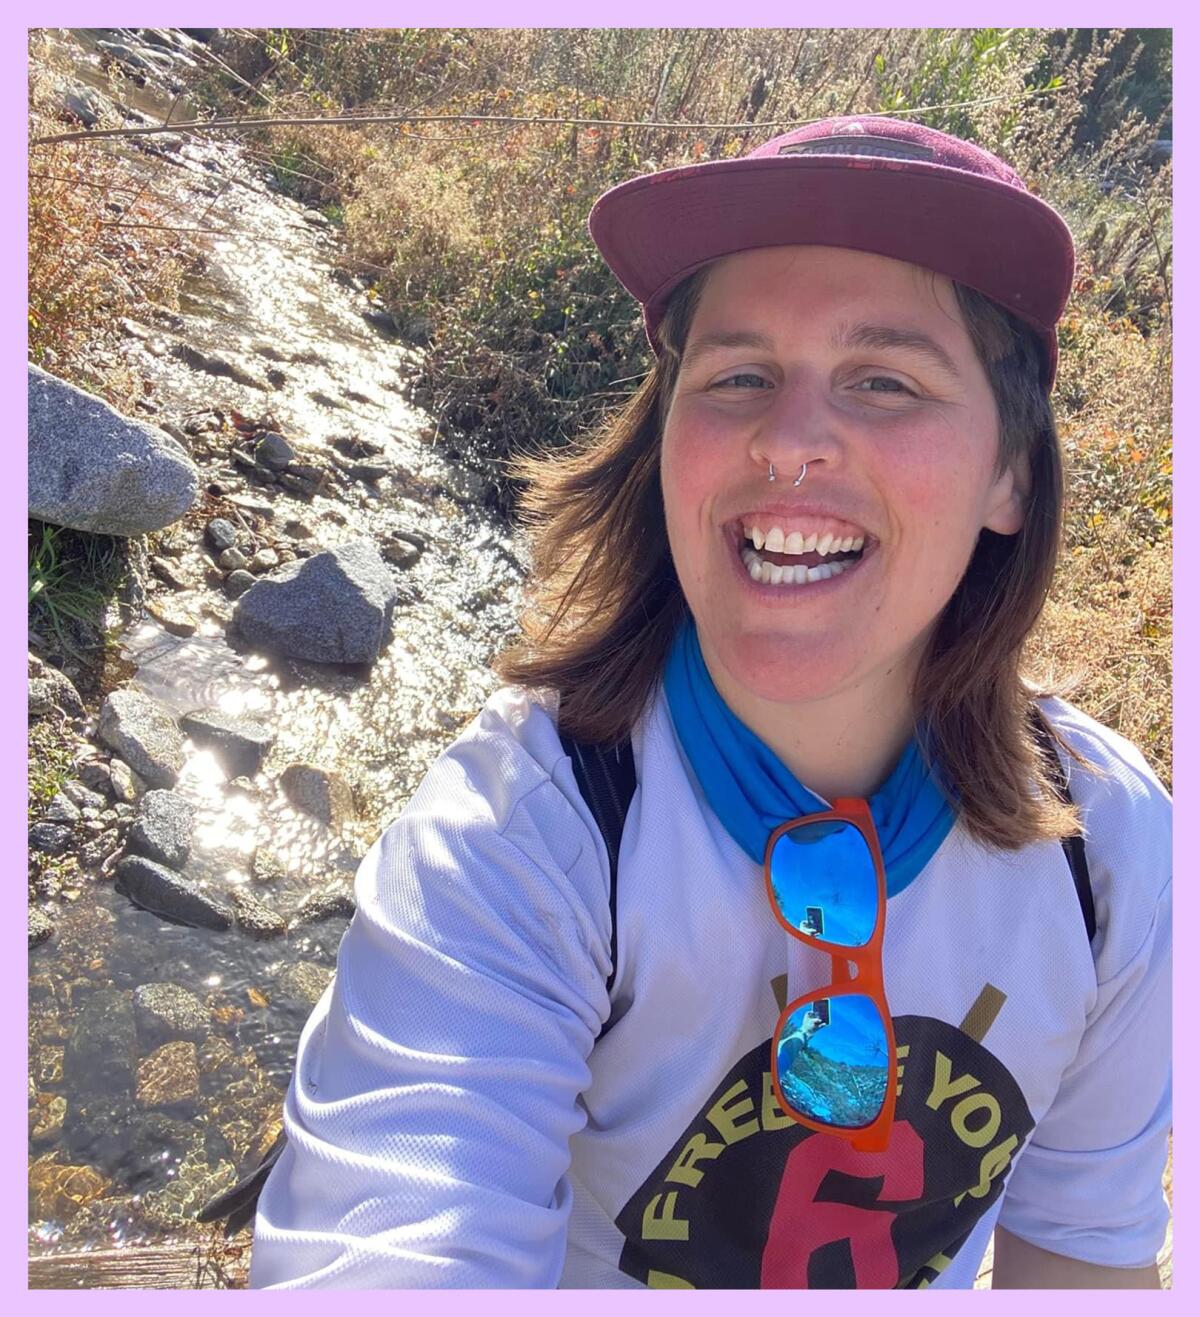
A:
{"x": 1009, "y": 497}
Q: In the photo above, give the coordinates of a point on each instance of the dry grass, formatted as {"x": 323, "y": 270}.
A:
{"x": 87, "y": 269}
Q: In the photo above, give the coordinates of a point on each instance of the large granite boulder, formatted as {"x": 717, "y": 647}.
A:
{"x": 331, "y": 608}
{"x": 93, "y": 469}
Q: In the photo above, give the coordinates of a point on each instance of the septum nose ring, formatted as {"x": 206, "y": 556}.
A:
{"x": 799, "y": 478}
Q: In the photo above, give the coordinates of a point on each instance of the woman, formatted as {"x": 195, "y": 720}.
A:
{"x": 796, "y": 572}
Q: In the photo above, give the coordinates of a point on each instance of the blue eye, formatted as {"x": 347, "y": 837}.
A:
{"x": 740, "y": 378}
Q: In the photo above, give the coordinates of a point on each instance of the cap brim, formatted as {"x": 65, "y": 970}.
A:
{"x": 998, "y": 239}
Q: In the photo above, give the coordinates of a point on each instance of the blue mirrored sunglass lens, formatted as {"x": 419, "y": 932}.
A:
{"x": 833, "y": 1061}
{"x": 824, "y": 882}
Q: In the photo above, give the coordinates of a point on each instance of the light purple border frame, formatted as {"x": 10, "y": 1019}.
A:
{"x": 542, "y": 13}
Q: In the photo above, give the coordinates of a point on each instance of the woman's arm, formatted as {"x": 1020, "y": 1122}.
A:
{"x": 437, "y": 1083}
{"x": 1018, "y": 1265}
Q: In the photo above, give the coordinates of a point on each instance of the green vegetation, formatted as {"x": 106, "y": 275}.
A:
{"x": 72, "y": 576}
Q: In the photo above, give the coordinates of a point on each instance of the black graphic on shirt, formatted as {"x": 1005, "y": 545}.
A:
{"x": 748, "y": 1199}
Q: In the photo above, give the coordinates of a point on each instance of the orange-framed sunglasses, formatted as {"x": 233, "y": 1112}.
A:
{"x": 833, "y": 1056}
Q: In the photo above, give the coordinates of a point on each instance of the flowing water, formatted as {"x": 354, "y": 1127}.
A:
{"x": 131, "y": 1173}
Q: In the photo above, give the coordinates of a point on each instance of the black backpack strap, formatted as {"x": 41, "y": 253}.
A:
{"x": 1073, "y": 847}
{"x": 236, "y": 1206}
{"x": 607, "y": 780}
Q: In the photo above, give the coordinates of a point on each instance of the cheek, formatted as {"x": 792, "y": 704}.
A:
{"x": 691, "y": 473}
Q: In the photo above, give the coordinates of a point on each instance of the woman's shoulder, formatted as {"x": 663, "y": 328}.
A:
{"x": 1126, "y": 816}
{"x": 1114, "y": 767}
{"x": 507, "y": 776}
{"x": 509, "y": 750}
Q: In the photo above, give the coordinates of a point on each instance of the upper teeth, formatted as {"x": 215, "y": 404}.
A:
{"x": 796, "y": 542}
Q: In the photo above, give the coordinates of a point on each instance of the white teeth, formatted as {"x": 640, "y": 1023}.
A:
{"x": 796, "y": 542}
{"x": 769, "y": 573}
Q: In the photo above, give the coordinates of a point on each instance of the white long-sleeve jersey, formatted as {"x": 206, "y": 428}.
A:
{"x": 454, "y": 1122}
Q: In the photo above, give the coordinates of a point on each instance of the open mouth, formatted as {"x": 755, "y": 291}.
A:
{"x": 799, "y": 559}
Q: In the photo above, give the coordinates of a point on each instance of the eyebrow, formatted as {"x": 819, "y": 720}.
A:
{"x": 890, "y": 336}
{"x": 861, "y": 335}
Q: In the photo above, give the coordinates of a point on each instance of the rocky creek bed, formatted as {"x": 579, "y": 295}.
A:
{"x": 317, "y": 596}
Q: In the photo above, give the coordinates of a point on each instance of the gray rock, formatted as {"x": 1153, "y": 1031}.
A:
{"x": 368, "y": 472}
{"x": 51, "y": 689}
{"x": 101, "y": 1054}
{"x": 49, "y": 838}
{"x": 144, "y": 734}
{"x": 176, "y": 575}
{"x": 106, "y": 843}
{"x": 239, "y": 744}
{"x": 86, "y": 104}
{"x": 334, "y": 607}
{"x": 79, "y": 795}
{"x": 231, "y": 560}
{"x": 302, "y": 982}
{"x": 274, "y": 451}
{"x": 62, "y": 810}
{"x": 237, "y": 583}
{"x": 163, "y": 828}
{"x": 335, "y": 902}
{"x": 95, "y": 775}
{"x": 264, "y": 560}
{"x": 163, "y": 892}
{"x": 165, "y": 1012}
{"x": 211, "y": 364}
{"x": 256, "y": 917}
{"x": 267, "y": 867}
{"x": 92, "y": 469}
{"x": 316, "y": 791}
{"x": 401, "y": 552}
{"x": 221, "y": 534}
{"x": 41, "y": 926}
{"x": 126, "y": 785}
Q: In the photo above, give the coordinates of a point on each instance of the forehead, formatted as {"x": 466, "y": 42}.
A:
{"x": 814, "y": 281}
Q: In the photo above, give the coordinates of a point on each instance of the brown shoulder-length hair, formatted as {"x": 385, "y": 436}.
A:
{"x": 604, "y": 601}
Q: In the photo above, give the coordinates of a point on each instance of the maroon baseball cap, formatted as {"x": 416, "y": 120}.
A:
{"x": 865, "y": 182}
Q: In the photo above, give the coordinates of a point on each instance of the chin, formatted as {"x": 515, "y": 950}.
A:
{"x": 784, "y": 669}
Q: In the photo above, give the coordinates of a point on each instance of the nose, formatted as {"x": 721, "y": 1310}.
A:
{"x": 796, "y": 433}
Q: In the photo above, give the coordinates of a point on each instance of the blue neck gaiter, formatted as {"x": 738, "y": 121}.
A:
{"x": 752, "y": 791}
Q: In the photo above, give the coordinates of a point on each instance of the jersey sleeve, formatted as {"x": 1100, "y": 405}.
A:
{"x": 438, "y": 1081}
{"x": 1089, "y": 1183}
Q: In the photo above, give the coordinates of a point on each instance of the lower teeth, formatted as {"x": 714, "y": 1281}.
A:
{"x": 769, "y": 573}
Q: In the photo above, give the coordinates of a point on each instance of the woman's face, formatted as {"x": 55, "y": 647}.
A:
{"x": 861, "y": 367}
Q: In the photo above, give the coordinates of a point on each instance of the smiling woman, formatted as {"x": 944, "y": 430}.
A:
{"x": 863, "y": 996}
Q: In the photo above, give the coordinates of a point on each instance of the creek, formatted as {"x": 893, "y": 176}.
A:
{"x": 266, "y": 330}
